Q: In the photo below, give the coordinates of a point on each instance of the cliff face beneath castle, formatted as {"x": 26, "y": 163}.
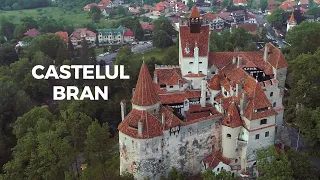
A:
{"x": 182, "y": 147}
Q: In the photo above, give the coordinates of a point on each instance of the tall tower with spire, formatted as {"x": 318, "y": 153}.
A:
{"x": 291, "y": 22}
{"x": 194, "y": 20}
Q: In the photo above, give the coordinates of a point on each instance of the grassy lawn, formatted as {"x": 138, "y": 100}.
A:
{"x": 157, "y": 53}
{"x": 76, "y": 17}
{"x": 98, "y": 51}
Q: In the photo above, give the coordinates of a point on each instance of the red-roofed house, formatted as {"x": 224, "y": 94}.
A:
{"x": 128, "y": 36}
{"x": 288, "y": 5}
{"x": 304, "y": 4}
{"x": 215, "y": 108}
{"x": 214, "y": 21}
{"x": 32, "y": 33}
{"x": 63, "y": 35}
{"x": 240, "y": 2}
{"x": 82, "y": 34}
{"x": 101, "y": 5}
{"x": 160, "y": 8}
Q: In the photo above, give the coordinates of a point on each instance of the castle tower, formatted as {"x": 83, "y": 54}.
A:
{"x": 145, "y": 96}
{"x": 231, "y": 125}
{"x": 194, "y": 20}
{"x": 291, "y": 22}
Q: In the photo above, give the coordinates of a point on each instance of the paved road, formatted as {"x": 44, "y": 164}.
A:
{"x": 271, "y": 33}
{"x": 141, "y": 48}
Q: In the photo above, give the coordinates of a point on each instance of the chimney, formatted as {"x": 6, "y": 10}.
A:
{"x": 163, "y": 119}
{"x": 243, "y": 103}
{"x": 234, "y": 60}
{"x": 123, "y": 104}
{"x": 139, "y": 128}
{"x": 238, "y": 89}
{"x": 266, "y": 53}
{"x": 220, "y": 106}
{"x": 155, "y": 78}
{"x": 203, "y": 93}
{"x": 239, "y": 61}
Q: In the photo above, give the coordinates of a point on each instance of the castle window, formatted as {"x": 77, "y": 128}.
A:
{"x": 237, "y": 150}
{"x": 271, "y": 94}
{"x": 225, "y": 93}
{"x": 257, "y": 136}
{"x": 171, "y": 86}
{"x": 266, "y": 134}
{"x": 263, "y": 121}
{"x": 200, "y": 71}
{"x": 274, "y": 104}
{"x": 218, "y": 169}
{"x": 213, "y": 72}
{"x": 236, "y": 160}
{"x": 190, "y": 62}
{"x": 229, "y": 136}
{"x": 162, "y": 85}
{"x": 200, "y": 62}
{"x": 189, "y": 72}
{"x": 221, "y": 168}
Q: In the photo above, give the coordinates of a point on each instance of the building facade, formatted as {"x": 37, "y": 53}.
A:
{"x": 212, "y": 111}
{"x": 82, "y": 34}
{"x": 118, "y": 35}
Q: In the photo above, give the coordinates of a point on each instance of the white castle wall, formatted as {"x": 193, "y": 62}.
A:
{"x": 229, "y": 145}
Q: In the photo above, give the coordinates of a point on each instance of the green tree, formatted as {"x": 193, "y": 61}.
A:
{"x": 95, "y": 17}
{"x": 273, "y": 164}
{"x": 165, "y": 25}
{"x": 97, "y": 145}
{"x": 278, "y": 18}
{"x": 8, "y": 54}
{"x": 138, "y": 31}
{"x": 16, "y": 6}
{"x": 6, "y": 28}
{"x": 161, "y": 39}
{"x": 315, "y": 11}
{"x": 175, "y": 175}
{"x": 190, "y": 4}
{"x": 309, "y": 123}
{"x": 121, "y": 11}
{"x": 94, "y": 9}
{"x": 37, "y": 88}
{"x": 62, "y": 54}
{"x": 303, "y": 39}
{"x": 29, "y": 22}
{"x": 263, "y": 5}
{"x": 19, "y": 31}
{"x": 301, "y": 165}
{"x": 226, "y": 3}
{"x": 171, "y": 56}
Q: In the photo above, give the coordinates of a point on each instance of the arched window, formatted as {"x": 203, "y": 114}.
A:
{"x": 229, "y": 136}
{"x": 236, "y": 160}
{"x": 274, "y": 104}
{"x": 271, "y": 94}
{"x": 218, "y": 169}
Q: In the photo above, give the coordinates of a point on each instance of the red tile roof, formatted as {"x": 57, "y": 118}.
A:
{"x": 178, "y": 97}
{"x": 169, "y": 76}
{"x": 77, "y": 33}
{"x": 128, "y": 33}
{"x": 304, "y": 2}
{"x": 252, "y": 28}
{"x": 292, "y": 20}
{"x": 287, "y": 5}
{"x": 197, "y": 112}
{"x": 189, "y": 40}
{"x": 151, "y": 123}
{"x": 214, "y": 83}
{"x": 232, "y": 118}
{"x": 146, "y": 26}
{"x": 316, "y": 1}
{"x": 145, "y": 93}
{"x": 274, "y": 3}
{"x": 194, "y": 75}
{"x": 236, "y": 2}
{"x": 88, "y": 6}
{"x": 214, "y": 159}
{"x": 209, "y": 16}
{"x": 275, "y": 57}
{"x": 194, "y": 12}
{"x": 32, "y": 33}
{"x": 63, "y": 36}
{"x": 225, "y": 16}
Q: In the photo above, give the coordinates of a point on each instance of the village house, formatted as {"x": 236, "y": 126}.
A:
{"x": 102, "y": 5}
{"x": 240, "y": 2}
{"x": 161, "y": 8}
{"x": 32, "y": 33}
{"x": 147, "y": 28}
{"x": 239, "y": 16}
{"x": 63, "y": 36}
{"x": 251, "y": 18}
{"x": 226, "y": 16}
{"x": 214, "y": 21}
{"x": 251, "y": 28}
{"x": 213, "y": 111}
{"x": 118, "y": 35}
{"x": 288, "y": 5}
{"x": 272, "y": 5}
{"x": 83, "y": 34}
{"x": 304, "y": 4}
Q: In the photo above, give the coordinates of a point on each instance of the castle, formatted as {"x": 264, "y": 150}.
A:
{"x": 213, "y": 111}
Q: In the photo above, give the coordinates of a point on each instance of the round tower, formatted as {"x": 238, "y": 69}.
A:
{"x": 145, "y": 96}
{"x": 231, "y": 125}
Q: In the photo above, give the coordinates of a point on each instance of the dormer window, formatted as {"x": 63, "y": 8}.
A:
{"x": 187, "y": 50}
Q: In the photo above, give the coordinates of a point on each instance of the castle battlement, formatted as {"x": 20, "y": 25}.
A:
{"x": 166, "y": 66}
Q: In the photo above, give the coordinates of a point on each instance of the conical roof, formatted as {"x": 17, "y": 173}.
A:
{"x": 232, "y": 119}
{"x": 194, "y": 12}
{"x": 145, "y": 93}
{"x": 214, "y": 83}
{"x": 292, "y": 20}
